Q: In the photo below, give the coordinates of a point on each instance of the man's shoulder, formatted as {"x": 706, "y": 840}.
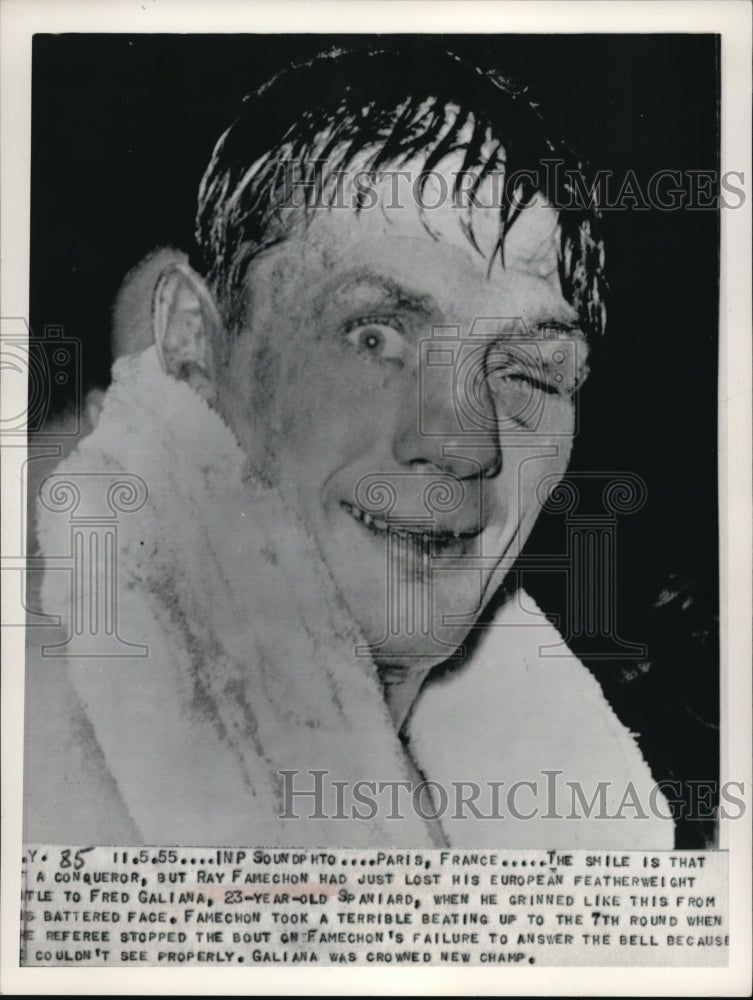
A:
{"x": 524, "y": 711}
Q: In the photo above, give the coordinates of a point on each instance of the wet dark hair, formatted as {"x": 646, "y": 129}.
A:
{"x": 381, "y": 106}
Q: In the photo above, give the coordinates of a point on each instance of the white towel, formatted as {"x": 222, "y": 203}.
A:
{"x": 251, "y": 671}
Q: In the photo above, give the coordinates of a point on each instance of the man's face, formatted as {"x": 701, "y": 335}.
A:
{"x": 416, "y": 446}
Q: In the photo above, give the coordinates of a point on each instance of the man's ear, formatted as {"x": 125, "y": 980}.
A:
{"x": 187, "y": 328}
{"x": 132, "y": 329}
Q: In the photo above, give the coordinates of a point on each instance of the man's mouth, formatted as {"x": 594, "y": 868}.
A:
{"x": 440, "y": 538}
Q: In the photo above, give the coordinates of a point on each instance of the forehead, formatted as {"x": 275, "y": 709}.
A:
{"x": 425, "y": 250}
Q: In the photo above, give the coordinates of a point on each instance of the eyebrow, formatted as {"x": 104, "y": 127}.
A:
{"x": 390, "y": 292}
{"x": 515, "y": 328}
{"x": 547, "y": 365}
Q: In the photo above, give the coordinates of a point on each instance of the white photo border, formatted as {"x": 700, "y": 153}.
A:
{"x": 19, "y": 20}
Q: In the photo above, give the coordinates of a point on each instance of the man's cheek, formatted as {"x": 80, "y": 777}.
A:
{"x": 325, "y": 398}
{"x": 265, "y": 364}
{"x": 529, "y": 478}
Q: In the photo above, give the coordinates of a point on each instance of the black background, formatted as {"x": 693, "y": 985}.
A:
{"x": 123, "y": 127}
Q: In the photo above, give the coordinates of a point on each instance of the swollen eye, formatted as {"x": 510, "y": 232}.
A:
{"x": 377, "y": 339}
{"x": 509, "y": 370}
{"x": 508, "y": 367}
{"x": 525, "y": 373}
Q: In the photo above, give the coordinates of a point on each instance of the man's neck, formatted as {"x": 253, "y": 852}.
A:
{"x": 401, "y": 686}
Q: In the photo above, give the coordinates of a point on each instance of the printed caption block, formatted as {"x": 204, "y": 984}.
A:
{"x": 101, "y": 906}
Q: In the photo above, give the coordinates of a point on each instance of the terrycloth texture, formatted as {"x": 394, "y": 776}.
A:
{"x": 251, "y": 671}
{"x": 524, "y": 709}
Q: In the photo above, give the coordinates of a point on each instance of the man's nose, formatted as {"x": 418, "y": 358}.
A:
{"x": 449, "y": 424}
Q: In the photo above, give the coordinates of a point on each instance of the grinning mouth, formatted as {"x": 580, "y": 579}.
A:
{"x": 416, "y": 534}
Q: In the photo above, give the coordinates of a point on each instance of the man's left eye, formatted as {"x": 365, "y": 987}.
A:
{"x": 379, "y": 339}
{"x": 506, "y": 369}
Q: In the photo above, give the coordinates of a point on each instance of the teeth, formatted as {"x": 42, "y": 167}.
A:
{"x": 403, "y": 533}
{"x": 375, "y": 522}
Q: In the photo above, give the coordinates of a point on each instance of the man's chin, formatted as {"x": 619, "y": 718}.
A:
{"x": 405, "y": 625}
{"x": 419, "y": 653}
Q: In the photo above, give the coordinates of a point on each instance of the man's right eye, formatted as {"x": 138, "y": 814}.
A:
{"x": 379, "y": 339}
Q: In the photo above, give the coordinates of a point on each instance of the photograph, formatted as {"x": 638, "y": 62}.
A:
{"x": 374, "y": 489}
{"x": 376, "y": 549}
